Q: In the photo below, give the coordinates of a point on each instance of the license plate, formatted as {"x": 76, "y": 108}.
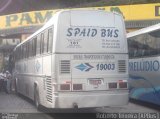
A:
{"x": 95, "y": 82}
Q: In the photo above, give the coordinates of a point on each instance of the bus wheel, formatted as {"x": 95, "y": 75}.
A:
{"x": 36, "y": 98}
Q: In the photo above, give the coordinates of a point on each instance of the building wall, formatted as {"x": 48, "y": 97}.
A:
{"x": 29, "y": 20}
{"x": 136, "y": 17}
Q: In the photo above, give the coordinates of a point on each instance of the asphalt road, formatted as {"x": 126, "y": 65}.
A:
{"x": 20, "y": 107}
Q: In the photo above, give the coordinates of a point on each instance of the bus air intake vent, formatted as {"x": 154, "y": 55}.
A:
{"x": 121, "y": 66}
{"x": 49, "y": 90}
{"x": 65, "y": 67}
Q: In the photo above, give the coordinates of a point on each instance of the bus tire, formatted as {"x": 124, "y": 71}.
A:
{"x": 36, "y": 98}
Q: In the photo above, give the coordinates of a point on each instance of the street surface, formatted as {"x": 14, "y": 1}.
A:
{"x": 11, "y": 103}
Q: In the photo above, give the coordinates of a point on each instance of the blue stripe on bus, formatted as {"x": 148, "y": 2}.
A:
{"x": 136, "y": 77}
{"x": 151, "y": 95}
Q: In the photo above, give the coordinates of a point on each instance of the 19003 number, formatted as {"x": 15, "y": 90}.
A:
{"x": 105, "y": 66}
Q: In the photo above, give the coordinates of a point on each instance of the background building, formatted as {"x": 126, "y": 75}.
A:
{"x": 15, "y": 27}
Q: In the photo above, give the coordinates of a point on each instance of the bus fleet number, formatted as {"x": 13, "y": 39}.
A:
{"x": 105, "y": 66}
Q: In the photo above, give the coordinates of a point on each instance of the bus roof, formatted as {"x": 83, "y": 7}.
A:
{"x": 49, "y": 23}
{"x": 144, "y": 30}
{"x": 110, "y": 22}
{"x": 54, "y": 19}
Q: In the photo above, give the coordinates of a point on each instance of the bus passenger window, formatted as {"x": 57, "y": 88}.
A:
{"x": 22, "y": 51}
{"x": 27, "y": 51}
{"x": 50, "y": 40}
{"x": 42, "y": 44}
{"x": 45, "y": 41}
{"x": 30, "y": 48}
{"x": 38, "y": 46}
{"x": 19, "y": 53}
{"x": 34, "y": 41}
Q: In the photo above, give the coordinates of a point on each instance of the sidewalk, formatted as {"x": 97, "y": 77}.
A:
{"x": 11, "y": 103}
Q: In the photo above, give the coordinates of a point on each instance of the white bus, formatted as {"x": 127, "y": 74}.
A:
{"x": 144, "y": 64}
{"x": 78, "y": 59}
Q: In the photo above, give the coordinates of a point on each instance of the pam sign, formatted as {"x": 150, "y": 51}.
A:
{"x": 25, "y": 19}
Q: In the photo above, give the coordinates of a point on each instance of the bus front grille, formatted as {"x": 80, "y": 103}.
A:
{"x": 121, "y": 66}
{"x": 65, "y": 67}
{"x": 49, "y": 90}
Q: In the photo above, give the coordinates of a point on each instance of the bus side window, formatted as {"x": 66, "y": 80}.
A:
{"x": 27, "y": 49}
{"x": 19, "y": 53}
{"x": 34, "y": 46}
{"x": 38, "y": 46}
{"x": 30, "y": 48}
{"x": 45, "y": 41}
{"x": 26, "y": 53}
{"x": 16, "y": 54}
{"x": 22, "y": 51}
{"x": 50, "y": 40}
{"x": 42, "y": 44}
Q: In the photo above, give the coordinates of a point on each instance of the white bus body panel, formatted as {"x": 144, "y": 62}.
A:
{"x": 89, "y": 41}
{"x": 96, "y": 32}
{"x": 93, "y": 95}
